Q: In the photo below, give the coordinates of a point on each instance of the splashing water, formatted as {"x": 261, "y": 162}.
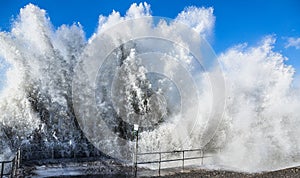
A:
{"x": 258, "y": 131}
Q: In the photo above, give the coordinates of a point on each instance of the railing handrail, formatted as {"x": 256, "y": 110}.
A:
{"x": 174, "y": 151}
{"x": 5, "y": 162}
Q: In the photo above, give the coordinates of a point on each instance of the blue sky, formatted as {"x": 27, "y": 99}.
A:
{"x": 237, "y": 21}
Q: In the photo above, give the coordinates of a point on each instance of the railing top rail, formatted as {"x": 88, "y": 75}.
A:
{"x": 6, "y": 162}
{"x": 166, "y": 152}
{"x": 9, "y": 161}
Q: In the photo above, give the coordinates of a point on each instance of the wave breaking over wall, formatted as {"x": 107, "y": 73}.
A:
{"x": 258, "y": 131}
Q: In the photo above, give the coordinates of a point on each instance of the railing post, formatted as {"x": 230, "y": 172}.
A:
{"x": 202, "y": 156}
{"x": 19, "y": 158}
{"x": 159, "y": 164}
{"x": 183, "y": 160}
{"x": 52, "y": 153}
{"x": 2, "y": 169}
{"x": 18, "y": 161}
{"x": 13, "y": 166}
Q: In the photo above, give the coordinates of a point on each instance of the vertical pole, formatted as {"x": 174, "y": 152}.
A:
{"x": 159, "y": 164}
{"x": 202, "y": 156}
{"x": 136, "y": 151}
{"x": 2, "y": 169}
{"x": 18, "y": 161}
{"x": 13, "y": 166}
{"x": 182, "y": 160}
{"x": 52, "y": 152}
{"x": 19, "y": 158}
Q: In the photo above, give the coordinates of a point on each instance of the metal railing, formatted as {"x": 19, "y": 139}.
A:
{"x": 12, "y": 166}
{"x": 160, "y": 160}
{"x": 29, "y": 157}
{"x": 32, "y": 154}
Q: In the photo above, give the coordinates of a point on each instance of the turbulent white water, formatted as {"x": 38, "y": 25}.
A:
{"x": 259, "y": 128}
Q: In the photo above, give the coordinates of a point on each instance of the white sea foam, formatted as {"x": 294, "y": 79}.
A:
{"x": 259, "y": 130}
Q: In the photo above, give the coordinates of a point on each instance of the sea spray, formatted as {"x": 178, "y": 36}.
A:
{"x": 258, "y": 131}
